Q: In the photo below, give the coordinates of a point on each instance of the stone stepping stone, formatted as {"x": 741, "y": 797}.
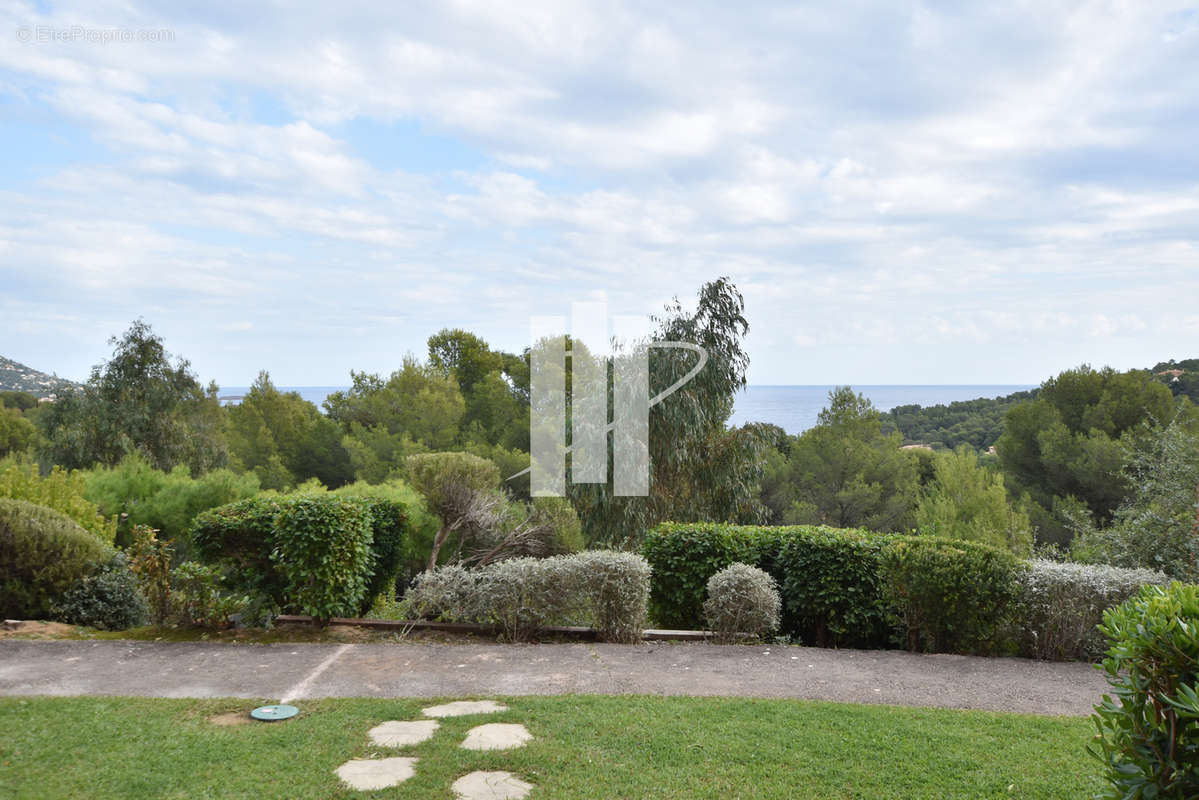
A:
{"x": 461, "y": 708}
{"x": 496, "y": 736}
{"x": 490, "y": 786}
{"x": 368, "y": 774}
{"x": 402, "y": 734}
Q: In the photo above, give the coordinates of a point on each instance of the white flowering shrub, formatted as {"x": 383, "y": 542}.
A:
{"x": 1063, "y": 603}
{"x": 742, "y": 600}
{"x": 607, "y": 590}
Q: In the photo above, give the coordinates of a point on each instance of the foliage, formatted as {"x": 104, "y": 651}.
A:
{"x": 494, "y": 385}
{"x": 461, "y": 489}
{"x": 284, "y": 439}
{"x": 831, "y": 586}
{"x": 60, "y": 490}
{"x": 967, "y": 501}
{"x": 17, "y": 434}
{"x": 198, "y": 598}
{"x": 742, "y": 600}
{"x": 684, "y": 556}
{"x": 952, "y": 596}
{"x": 44, "y": 553}
{"x": 974, "y": 423}
{"x": 150, "y": 562}
{"x": 1149, "y": 735}
{"x": 846, "y": 472}
{"x": 546, "y": 526}
{"x": 322, "y": 551}
{"x": 1061, "y": 605}
{"x": 106, "y": 598}
{"x": 417, "y": 409}
{"x": 521, "y": 595}
{"x": 137, "y": 402}
{"x": 240, "y": 537}
{"x": 19, "y": 401}
{"x": 1068, "y": 444}
{"x": 422, "y": 525}
{"x": 698, "y": 470}
{"x": 1157, "y": 526}
{"x": 165, "y": 501}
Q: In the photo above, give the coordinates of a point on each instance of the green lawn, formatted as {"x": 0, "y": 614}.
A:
{"x": 584, "y": 747}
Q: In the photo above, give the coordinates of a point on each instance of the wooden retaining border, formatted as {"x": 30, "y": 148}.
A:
{"x": 574, "y": 632}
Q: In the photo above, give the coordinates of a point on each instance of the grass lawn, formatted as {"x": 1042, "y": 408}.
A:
{"x": 584, "y": 747}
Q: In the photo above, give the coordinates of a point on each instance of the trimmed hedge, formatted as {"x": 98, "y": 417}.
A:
{"x": 43, "y": 553}
{"x": 827, "y": 577}
{"x": 684, "y": 556}
{"x": 520, "y": 595}
{"x": 952, "y": 596}
{"x": 318, "y": 554}
{"x": 1062, "y": 605}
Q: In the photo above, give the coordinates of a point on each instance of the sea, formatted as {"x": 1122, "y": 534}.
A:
{"x": 792, "y": 408}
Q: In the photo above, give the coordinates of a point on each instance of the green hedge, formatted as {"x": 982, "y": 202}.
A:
{"x": 844, "y": 587}
{"x": 831, "y": 587}
{"x": 685, "y": 555}
{"x": 317, "y": 554}
{"x": 952, "y": 596}
{"x": 43, "y": 553}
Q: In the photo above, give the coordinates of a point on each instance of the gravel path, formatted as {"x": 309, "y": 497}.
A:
{"x": 296, "y": 671}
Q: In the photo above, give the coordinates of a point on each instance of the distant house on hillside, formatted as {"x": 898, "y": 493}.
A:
{"x": 1173, "y": 373}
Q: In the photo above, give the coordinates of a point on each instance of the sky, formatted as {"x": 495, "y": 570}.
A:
{"x": 905, "y": 193}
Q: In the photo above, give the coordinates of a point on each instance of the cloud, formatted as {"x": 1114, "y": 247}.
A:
{"x": 965, "y": 182}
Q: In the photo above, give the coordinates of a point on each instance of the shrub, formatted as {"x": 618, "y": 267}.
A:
{"x": 420, "y": 526}
{"x": 1149, "y": 736}
{"x": 150, "y": 563}
{"x": 446, "y": 594}
{"x": 1062, "y": 604}
{"x": 322, "y": 551}
{"x": 615, "y": 586}
{"x": 831, "y": 589}
{"x": 166, "y": 501}
{"x": 44, "y": 554}
{"x": 60, "y": 490}
{"x": 198, "y": 598}
{"x": 742, "y": 599}
{"x": 389, "y": 529}
{"x": 520, "y": 595}
{"x": 240, "y": 537}
{"x": 952, "y": 596}
{"x": 107, "y": 598}
{"x": 685, "y": 555}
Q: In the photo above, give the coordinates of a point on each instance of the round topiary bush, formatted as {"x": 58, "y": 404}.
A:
{"x": 742, "y": 600}
{"x": 44, "y": 554}
{"x": 108, "y": 598}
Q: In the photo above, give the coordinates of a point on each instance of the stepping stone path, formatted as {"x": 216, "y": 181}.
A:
{"x": 496, "y": 736}
{"x": 402, "y": 734}
{"x": 368, "y": 774}
{"x": 490, "y": 786}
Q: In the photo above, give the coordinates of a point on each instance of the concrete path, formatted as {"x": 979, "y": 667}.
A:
{"x": 297, "y": 671}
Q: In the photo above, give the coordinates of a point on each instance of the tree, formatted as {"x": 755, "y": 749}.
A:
{"x": 698, "y": 470}
{"x": 137, "y": 402}
{"x": 967, "y": 501}
{"x": 1157, "y": 526}
{"x": 497, "y": 403}
{"x": 1066, "y": 447}
{"x": 17, "y": 434}
{"x": 848, "y": 473}
{"x": 417, "y": 409}
{"x": 461, "y": 489}
{"x": 284, "y": 439}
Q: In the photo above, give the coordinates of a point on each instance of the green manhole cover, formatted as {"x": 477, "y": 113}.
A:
{"x": 274, "y": 713}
